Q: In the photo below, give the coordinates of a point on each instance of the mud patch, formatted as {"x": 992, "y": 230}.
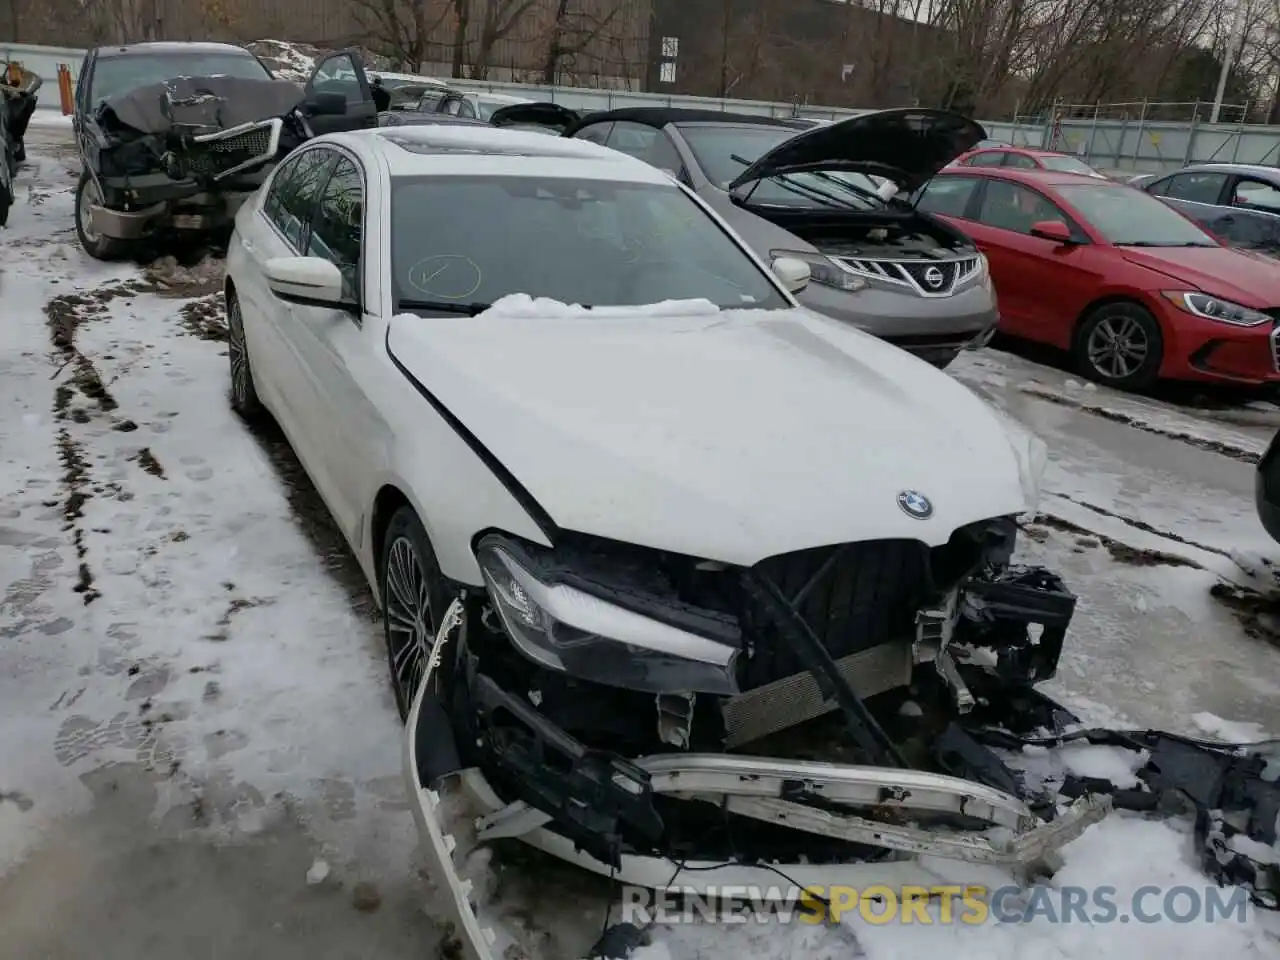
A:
{"x": 148, "y": 462}
{"x": 236, "y": 605}
{"x": 1258, "y": 613}
{"x": 1202, "y": 443}
{"x": 76, "y": 487}
{"x": 65, "y": 314}
{"x": 169, "y": 277}
{"x": 1120, "y": 552}
{"x": 205, "y": 318}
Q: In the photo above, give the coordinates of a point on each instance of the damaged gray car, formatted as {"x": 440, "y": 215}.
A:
{"x": 174, "y": 136}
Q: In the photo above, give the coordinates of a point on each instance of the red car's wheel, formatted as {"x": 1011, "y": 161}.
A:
{"x": 1120, "y": 344}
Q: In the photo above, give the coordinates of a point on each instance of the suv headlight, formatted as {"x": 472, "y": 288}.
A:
{"x": 824, "y": 270}
{"x": 564, "y": 628}
{"x": 1215, "y": 308}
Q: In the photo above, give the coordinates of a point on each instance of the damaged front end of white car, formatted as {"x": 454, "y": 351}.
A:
{"x": 746, "y": 649}
{"x": 672, "y": 722}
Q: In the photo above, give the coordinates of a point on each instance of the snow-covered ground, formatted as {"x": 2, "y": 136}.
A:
{"x": 197, "y": 742}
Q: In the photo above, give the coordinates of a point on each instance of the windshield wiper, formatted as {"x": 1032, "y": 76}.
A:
{"x": 1162, "y": 243}
{"x": 799, "y": 189}
{"x": 444, "y": 306}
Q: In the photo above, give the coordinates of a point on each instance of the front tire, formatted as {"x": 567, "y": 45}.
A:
{"x": 414, "y": 596}
{"x": 1120, "y": 345}
{"x": 95, "y": 244}
{"x": 244, "y": 395}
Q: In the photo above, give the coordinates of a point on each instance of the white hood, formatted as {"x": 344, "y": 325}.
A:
{"x": 730, "y": 436}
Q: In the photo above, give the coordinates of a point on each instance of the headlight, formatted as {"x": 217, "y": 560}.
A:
{"x": 569, "y": 630}
{"x": 824, "y": 270}
{"x": 1215, "y": 308}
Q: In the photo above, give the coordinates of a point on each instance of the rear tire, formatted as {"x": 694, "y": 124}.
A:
{"x": 1120, "y": 345}
{"x": 414, "y": 597}
{"x": 94, "y": 244}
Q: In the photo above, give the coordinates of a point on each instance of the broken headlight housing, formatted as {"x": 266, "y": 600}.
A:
{"x": 565, "y": 628}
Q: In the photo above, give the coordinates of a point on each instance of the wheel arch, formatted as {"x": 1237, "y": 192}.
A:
{"x": 1107, "y": 300}
{"x": 386, "y": 502}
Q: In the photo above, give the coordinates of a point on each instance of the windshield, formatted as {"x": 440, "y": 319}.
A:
{"x": 1130, "y": 218}
{"x": 1067, "y": 165}
{"x": 116, "y": 75}
{"x": 472, "y": 240}
{"x": 724, "y": 151}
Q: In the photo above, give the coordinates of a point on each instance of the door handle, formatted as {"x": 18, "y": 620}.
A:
{"x": 248, "y": 245}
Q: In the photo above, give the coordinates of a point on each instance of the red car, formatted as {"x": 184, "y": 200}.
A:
{"x": 1024, "y": 158}
{"x": 1134, "y": 289}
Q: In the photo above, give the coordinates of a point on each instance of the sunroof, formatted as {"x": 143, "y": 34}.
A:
{"x": 429, "y": 145}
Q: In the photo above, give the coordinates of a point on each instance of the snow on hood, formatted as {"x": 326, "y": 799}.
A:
{"x": 906, "y": 145}
{"x": 727, "y": 435}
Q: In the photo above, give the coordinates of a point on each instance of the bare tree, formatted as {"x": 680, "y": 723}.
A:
{"x": 404, "y": 30}
{"x": 577, "y": 25}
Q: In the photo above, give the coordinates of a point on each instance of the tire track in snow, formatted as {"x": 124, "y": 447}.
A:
{"x": 65, "y": 314}
{"x": 1223, "y": 448}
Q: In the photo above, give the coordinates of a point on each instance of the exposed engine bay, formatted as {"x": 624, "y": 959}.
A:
{"x": 887, "y": 233}
{"x": 186, "y": 152}
{"x": 830, "y": 708}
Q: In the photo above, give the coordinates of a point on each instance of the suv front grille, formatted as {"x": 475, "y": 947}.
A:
{"x": 250, "y": 145}
{"x": 929, "y": 278}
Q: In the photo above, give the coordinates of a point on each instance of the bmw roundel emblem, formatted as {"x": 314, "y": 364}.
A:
{"x": 915, "y": 505}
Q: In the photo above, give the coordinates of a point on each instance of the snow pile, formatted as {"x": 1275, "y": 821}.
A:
{"x": 296, "y": 61}
{"x": 523, "y": 306}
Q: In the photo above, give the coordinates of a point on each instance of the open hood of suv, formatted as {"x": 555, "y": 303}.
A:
{"x": 907, "y": 146}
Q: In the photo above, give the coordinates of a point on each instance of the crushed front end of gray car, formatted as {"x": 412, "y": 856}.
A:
{"x": 185, "y": 153}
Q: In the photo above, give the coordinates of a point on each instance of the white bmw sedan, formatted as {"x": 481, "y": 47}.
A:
{"x": 588, "y": 450}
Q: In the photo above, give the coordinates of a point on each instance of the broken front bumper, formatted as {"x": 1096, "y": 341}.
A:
{"x": 203, "y": 182}
{"x": 574, "y": 814}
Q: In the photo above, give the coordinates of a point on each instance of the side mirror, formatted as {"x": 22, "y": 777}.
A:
{"x": 326, "y": 105}
{"x": 309, "y": 281}
{"x": 793, "y": 272}
{"x": 1054, "y": 230}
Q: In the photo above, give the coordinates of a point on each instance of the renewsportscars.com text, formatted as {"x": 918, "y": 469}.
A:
{"x": 943, "y": 905}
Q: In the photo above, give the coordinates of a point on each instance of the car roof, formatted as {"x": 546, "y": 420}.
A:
{"x": 1014, "y": 148}
{"x": 1039, "y": 178}
{"x": 171, "y": 47}
{"x": 499, "y": 97}
{"x": 449, "y": 150}
{"x": 411, "y": 77}
{"x": 661, "y": 116}
{"x": 1258, "y": 169}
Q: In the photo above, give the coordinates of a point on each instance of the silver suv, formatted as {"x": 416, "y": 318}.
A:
{"x": 875, "y": 261}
